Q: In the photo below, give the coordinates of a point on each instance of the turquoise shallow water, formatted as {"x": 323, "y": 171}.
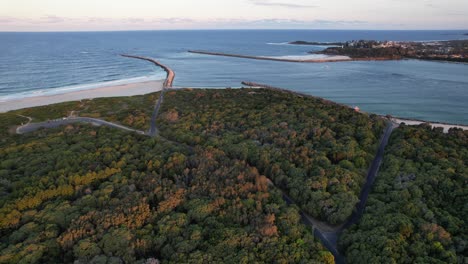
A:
{"x": 45, "y": 63}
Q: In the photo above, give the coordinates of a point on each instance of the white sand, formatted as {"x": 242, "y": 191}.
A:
{"x": 109, "y": 91}
{"x": 311, "y": 57}
{"x": 446, "y": 127}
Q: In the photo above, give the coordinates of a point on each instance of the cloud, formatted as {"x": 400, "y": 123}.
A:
{"x": 5, "y": 20}
{"x": 48, "y": 19}
{"x": 429, "y": 3}
{"x": 58, "y": 23}
{"x": 97, "y": 20}
{"x": 53, "y": 19}
{"x": 340, "y": 22}
{"x": 462, "y": 14}
{"x": 51, "y": 22}
{"x": 135, "y": 20}
{"x": 281, "y": 23}
{"x": 281, "y": 4}
{"x": 173, "y": 20}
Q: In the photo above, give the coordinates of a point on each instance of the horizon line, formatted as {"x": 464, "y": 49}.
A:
{"x": 224, "y": 29}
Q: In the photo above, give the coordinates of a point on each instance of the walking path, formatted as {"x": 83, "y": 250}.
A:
{"x": 167, "y": 85}
{"x": 29, "y": 119}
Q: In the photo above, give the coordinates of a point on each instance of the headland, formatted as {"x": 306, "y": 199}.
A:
{"x": 453, "y": 50}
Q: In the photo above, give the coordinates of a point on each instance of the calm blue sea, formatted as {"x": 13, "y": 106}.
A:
{"x": 46, "y": 63}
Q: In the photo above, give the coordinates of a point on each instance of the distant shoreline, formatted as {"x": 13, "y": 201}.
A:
{"x": 450, "y": 50}
{"x": 399, "y": 120}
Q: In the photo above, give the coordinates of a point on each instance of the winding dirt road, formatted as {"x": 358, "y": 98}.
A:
{"x": 31, "y": 127}
{"x": 327, "y": 233}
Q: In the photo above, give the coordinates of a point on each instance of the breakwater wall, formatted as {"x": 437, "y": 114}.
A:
{"x": 324, "y": 60}
{"x": 266, "y": 58}
{"x": 170, "y": 73}
{"x": 153, "y": 131}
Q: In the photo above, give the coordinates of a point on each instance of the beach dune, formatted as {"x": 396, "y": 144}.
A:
{"x": 108, "y": 91}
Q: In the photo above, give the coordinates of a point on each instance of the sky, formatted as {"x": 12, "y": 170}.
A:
{"x": 97, "y": 15}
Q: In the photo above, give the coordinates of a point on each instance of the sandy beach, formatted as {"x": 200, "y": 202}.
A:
{"x": 108, "y": 91}
{"x": 311, "y": 58}
{"x": 446, "y": 127}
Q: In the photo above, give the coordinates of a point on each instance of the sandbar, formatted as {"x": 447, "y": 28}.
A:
{"x": 311, "y": 58}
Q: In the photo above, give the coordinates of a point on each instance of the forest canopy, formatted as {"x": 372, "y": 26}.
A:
{"x": 418, "y": 208}
{"x": 315, "y": 150}
{"x": 209, "y": 188}
{"x": 97, "y": 195}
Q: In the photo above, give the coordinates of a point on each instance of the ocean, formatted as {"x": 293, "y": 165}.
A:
{"x": 35, "y": 64}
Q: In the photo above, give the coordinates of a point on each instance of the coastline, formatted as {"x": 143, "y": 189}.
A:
{"x": 147, "y": 87}
{"x": 415, "y": 122}
{"x": 395, "y": 120}
{"x": 107, "y": 91}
